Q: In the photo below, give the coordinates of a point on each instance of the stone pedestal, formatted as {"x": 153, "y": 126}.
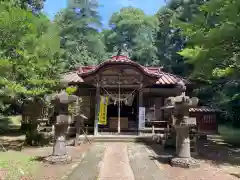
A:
{"x": 59, "y": 155}
{"x": 65, "y": 159}
{"x": 182, "y": 141}
{"x": 183, "y": 156}
{"x": 60, "y": 148}
{"x": 185, "y": 162}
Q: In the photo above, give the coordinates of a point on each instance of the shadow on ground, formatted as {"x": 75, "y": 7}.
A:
{"x": 164, "y": 155}
{"x": 217, "y": 152}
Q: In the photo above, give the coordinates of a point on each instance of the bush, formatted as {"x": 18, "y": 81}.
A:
{"x": 230, "y": 135}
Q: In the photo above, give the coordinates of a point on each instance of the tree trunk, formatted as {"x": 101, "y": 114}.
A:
{"x": 182, "y": 142}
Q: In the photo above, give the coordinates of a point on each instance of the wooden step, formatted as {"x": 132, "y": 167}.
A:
{"x": 156, "y": 129}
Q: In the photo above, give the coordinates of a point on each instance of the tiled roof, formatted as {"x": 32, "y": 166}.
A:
{"x": 162, "y": 77}
{"x": 203, "y": 109}
{"x": 87, "y": 70}
{"x": 71, "y": 77}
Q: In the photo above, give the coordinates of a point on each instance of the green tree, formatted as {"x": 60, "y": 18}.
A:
{"x": 133, "y": 27}
{"x": 169, "y": 39}
{"x": 79, "y": 24}
{"x": 35, "y": 5}
{"x": 213, "y": 46}
{"x": 30, "y": 54}
{"x": 30, "y": 60}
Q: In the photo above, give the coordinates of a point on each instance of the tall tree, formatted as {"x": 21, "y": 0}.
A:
{"x": 133, "y": 27}
{"x": 169, "y": 38}
{"x": 34, "y": 5}
{"x": 30, "y": 54}
{"x": 213, "y": 49}
{"x": 79, "y": 24}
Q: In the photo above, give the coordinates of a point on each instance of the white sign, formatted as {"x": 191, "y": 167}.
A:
{"x": 141, "y": 118}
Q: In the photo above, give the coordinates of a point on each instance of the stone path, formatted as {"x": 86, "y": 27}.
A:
{"x": 143, "y": 164}
{"x": 115, "y": 164}
{"x": 117, "y": 161}
{"x": 135, "y": 161}
{"x": 88, "y": 169}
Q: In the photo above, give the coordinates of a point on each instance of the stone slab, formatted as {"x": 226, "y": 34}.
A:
{"x": 115, "y": 164}
{"x": 89, "y": 167}
{"x": 142, "y": 163}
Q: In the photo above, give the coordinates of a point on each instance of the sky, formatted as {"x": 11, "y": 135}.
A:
{"x": 107, "y": 7}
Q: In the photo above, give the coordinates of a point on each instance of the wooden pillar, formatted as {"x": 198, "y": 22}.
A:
{"x": 97, "y": 109}
{"x": 119, "y": 109}
{"x": 163, "y": 99}
{"x": 140, "y": 98}
{"x": 140, "y": 104}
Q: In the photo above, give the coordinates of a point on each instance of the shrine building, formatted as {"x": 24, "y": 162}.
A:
{"x": 135, "y": 95}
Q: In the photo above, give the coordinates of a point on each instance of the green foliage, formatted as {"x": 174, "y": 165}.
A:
{"x": 24, "y": 4}
{"x": 80, "y": 38}
{"x": 169, "y": 38}
{"x": 71, "y": 90}
{"x": 230, "y": 135}
{"x": 30, "y": 54}
{"x": 212, "y": 48}
{"x": 132, "y": 27}
{"x": 197, "y": 38}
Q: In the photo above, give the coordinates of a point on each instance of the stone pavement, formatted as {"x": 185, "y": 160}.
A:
{"x": 143, "y": 164}
{"x": 117, "y": 161}
{"x": 115, "y": 164}
{"x": 135, "y": 161}
{"x": 88, "y": 169}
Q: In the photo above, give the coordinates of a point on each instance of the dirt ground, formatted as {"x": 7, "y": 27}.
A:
{"x": 217, "y": 160}
{"x": 47, "y": 171}
{"x": 205, "y": 172}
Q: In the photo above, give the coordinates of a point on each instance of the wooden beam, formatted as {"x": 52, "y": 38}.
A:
{"x": 123, "y": 86}
{"x": 164, "y": 92}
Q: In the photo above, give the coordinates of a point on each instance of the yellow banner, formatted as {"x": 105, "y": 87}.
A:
{"x": 103, "y": 110}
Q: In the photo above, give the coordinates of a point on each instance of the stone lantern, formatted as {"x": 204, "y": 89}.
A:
{"x": 61, "y": 102}
{"x": 180, "y": 106}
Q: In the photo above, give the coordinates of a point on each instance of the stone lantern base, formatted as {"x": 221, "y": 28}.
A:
{"x": 59, "y": 155}
{"x": 185, "y": 162}
{"x": 64, "y": 159}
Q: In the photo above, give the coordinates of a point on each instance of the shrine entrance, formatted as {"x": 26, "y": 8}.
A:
{"x": 128, "y": 115}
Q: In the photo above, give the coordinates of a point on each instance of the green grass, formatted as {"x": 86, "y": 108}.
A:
{"x": 230, "y": 135}
{"x": 17, "y": 165}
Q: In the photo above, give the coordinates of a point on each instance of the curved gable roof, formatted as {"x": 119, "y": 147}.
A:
{"x": 116, "y": 60}
{"x": 162, "y": 78}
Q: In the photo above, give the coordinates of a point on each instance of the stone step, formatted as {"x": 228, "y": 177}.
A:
{"x": 117, "y": 138}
